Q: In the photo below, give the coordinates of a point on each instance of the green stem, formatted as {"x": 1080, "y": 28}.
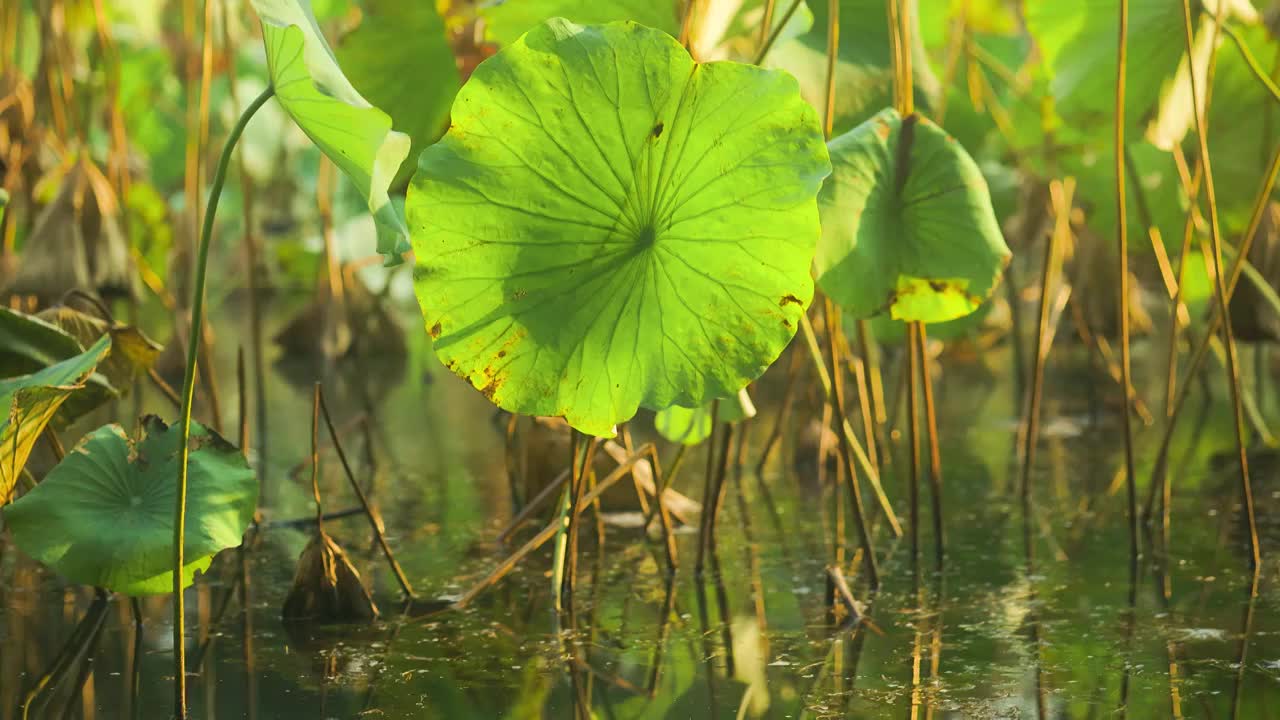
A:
{"x": 1249, "y": 60}
{"x": 775, "y": 33}
{"x": 188, "y": 393}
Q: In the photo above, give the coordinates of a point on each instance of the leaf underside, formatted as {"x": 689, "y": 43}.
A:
{"x": 908, "y": 227}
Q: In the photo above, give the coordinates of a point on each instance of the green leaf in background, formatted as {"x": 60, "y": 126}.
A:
{"x": 30, "y": 402}
{"x": 731, "y": 30}
{"x": 355, "y": 135}
{"x": 1244, "y": 127}
{"x": 104, "y": 515}
{"x": 414, "y": 82}
{"x": 1078, "y": 44}
{"x": 609, "y": 224}
{"x": 506, "y": 21}
{"x": 864, "y": 71}
{"x": 907, "y": 224}
{"x": 4, "y": 203}
{"x": 691, "y": 426}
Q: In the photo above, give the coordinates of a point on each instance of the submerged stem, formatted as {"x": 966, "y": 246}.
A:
{"x": 188, "y": 393}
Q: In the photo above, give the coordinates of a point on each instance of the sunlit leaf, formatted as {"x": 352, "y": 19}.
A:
{"x": 104, "y": 515}
{"x": 609, "y": 224}
{"x": 907, "y": 224}
{"x": 414, "y": 82}
{"x": 355, "y": 135}
{"x": 30, "y": 402}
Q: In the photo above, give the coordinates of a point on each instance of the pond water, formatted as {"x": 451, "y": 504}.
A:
{"x": 991, "y": 636}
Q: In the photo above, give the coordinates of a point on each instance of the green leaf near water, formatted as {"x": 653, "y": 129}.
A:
{"x": 506, "y": 21}
{"x": 609, "y": 224}
{"x": 104, "y": 515}
{"x": 907, "y": 224}
{"x": 29, "y": 403}
{"x": 414, "y": 82}
{"x": 355, "y": 135}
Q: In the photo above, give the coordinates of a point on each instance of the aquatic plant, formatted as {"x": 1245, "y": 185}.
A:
{"x": 104, "y": 515}
{"x": 609, "y": 224}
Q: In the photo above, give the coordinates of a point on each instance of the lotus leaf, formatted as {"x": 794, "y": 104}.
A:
{"x": 609, "y": 224}
{"x": 414, "y": 82}
{"x": 355, "y": 135}
{"x": 907, "y": 224}
{"x": 104, "y": 515}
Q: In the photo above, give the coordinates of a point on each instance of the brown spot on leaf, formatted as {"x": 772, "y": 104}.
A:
{"x": 789, "y": 298}
{"x": 502, "y": 354}
{"x": 657, "y": 130}
{"x": 938, "y": 285}
{"x": 435, "y": 330}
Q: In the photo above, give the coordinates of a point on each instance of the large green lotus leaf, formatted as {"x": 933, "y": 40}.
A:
{"x": 506, "y": 21}
{"x": 1078, "y": 41}
{"x": 104, "y": 515}
{"x": 414, "y": 82}
{"x": 907, "y": 224}
{"x": 691, "y": 426}
{"x": 864, "y": 68}
{"x": 355, "y": 135}
{"x": 30, "y": 402}
{"x": 608, "y": 224}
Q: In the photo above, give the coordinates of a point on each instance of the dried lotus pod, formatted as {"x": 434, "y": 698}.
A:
{"x": 327, "y": 587}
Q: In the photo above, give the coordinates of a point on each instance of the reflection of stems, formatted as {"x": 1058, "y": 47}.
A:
{"x": 79, "y": 650}
{"x": 1243, "y": 655}
{"x": 188, "y": 393}
{"x": 1246, "y": 489}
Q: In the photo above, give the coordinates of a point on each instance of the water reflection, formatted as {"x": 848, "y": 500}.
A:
{"x": 1034, "y": 615}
